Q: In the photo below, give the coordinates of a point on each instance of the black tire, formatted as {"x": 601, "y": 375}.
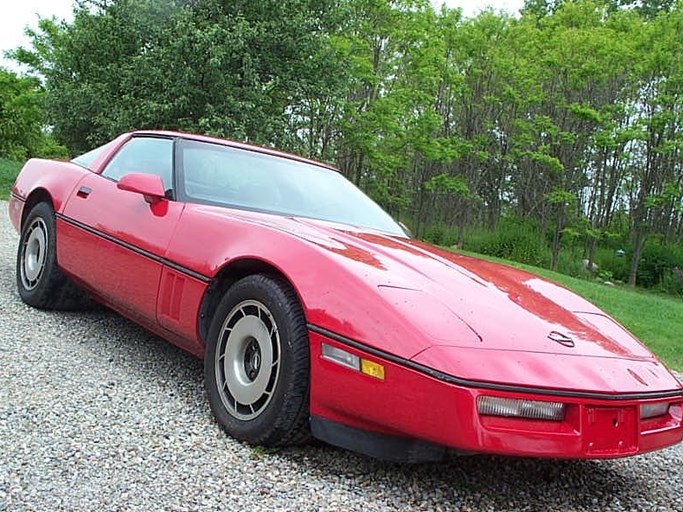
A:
{"x": 259, "y": 314}
{"x": 40, "y": 282}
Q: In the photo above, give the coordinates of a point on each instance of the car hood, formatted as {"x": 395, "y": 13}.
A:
{"x": 460, "y": 301}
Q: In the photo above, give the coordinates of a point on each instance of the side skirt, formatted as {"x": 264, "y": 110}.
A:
{"x": 378, "y": 446}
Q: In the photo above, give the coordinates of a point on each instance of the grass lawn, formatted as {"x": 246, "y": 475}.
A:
{"x": 657, "y": 320}
{"x": 8, "y": 172}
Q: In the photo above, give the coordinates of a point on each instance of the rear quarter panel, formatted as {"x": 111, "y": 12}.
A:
{"x": 57, "y": 179}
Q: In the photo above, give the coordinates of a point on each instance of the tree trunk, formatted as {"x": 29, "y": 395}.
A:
{"x": 461, "y": 231}
{"x": 557, "y": 238}
{"x": 591, "y": 252}
{"x": 638, "y": 244}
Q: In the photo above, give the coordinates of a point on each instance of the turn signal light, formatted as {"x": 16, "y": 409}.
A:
{"x": 372, "y": 369}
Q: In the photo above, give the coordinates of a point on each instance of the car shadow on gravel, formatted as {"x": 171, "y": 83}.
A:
{"x": 482, "y": 482}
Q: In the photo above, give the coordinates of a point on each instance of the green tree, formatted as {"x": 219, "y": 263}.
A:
{"x": 23, "y": 132}
{"x": 21, "y": 116}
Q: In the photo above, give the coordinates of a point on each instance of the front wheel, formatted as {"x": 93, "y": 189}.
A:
{"x": 256, "y": 364}
{"x": 40, "y": 282}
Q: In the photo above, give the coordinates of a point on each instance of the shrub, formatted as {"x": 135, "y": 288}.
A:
{"x": 572, "y": 264}
{"x": 441, "y": 235}
{"x": 609, "y": 261}
{"x": 51, "y": 149}
{"x": 672, "y": 282}
{"x": 656, "y": 261}
{"x": 514, "y": 239}
{"x": 8, "y": 172}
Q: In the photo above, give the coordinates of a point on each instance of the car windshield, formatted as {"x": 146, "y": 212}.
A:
{"x": 223, "y": 175}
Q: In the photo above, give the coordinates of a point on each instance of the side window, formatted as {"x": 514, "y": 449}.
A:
{"x": 86, "y": 160}
{"x": 147, "y": 155}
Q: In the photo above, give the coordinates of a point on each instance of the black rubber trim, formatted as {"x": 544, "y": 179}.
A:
{"x": 138, "y": 250}
{"x": 18, "y": 197}
{"x": 380, "y": 446}
{"x": 468, "y": 383}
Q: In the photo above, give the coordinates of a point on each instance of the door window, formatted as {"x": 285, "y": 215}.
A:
{"x": 147, "y": 155}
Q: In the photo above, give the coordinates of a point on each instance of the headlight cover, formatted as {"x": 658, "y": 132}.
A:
{"x": 652, "y": 410}
{"x": 512, "y": 407}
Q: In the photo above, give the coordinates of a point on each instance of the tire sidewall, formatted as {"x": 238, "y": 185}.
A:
{"x": 34, "y": 295}
{"x": 259, "y": 429}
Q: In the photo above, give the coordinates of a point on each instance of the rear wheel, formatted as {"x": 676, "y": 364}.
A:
{"x": 40, "y": 282}
{"x": 257, "y": 363}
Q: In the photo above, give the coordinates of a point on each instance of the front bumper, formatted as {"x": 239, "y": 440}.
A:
{"x": 412, "y": 405}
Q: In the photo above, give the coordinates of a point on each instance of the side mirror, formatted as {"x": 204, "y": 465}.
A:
{"x": 149, "y": 185}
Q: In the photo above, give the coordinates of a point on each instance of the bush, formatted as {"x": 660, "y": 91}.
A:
{"x": 8, "y": 173}
{"x": 656, "y": 261}
{"x": 51, "y": 149}
{"x": 571, "y": 264}
{"x": 609, "y": 261}
{"x": 659, "y": 265}
{"x": 514, "y": 239}
{"x": 441, "y": 235}
{"x": 672, "y": 282}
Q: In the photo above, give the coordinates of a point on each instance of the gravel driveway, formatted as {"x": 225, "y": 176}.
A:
{"x": 97, "y": 414}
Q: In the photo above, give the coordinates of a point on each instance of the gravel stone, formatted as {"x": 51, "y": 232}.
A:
{"x": 98, "y": 414}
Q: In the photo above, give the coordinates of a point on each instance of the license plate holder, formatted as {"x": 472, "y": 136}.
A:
{"x": 610, "y": 430}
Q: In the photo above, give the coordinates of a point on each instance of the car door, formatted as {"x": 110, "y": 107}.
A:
{"x": 113, "y": 240}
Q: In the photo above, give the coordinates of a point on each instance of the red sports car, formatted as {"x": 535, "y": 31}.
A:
{"x": 317, "y": 316}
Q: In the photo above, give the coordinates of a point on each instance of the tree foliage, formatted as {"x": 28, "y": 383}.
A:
{"x": 567, "y": 116}
{"x": 21, "y": 118}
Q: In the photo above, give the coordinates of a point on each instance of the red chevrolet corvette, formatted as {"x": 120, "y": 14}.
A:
{"x": 317, "y": 316}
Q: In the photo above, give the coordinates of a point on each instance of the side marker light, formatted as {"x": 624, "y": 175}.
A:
{"x": 352, "y": 361}
{"x": 341, "y": 357}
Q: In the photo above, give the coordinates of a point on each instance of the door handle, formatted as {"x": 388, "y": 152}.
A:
{"x": 83, "y": 192}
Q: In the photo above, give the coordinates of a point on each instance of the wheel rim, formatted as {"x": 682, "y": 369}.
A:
{"x": 247, "y": 361}
{"x": 34, "y": 254}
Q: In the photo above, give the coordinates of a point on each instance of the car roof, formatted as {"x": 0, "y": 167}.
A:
{"x": 232, "y": 143}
